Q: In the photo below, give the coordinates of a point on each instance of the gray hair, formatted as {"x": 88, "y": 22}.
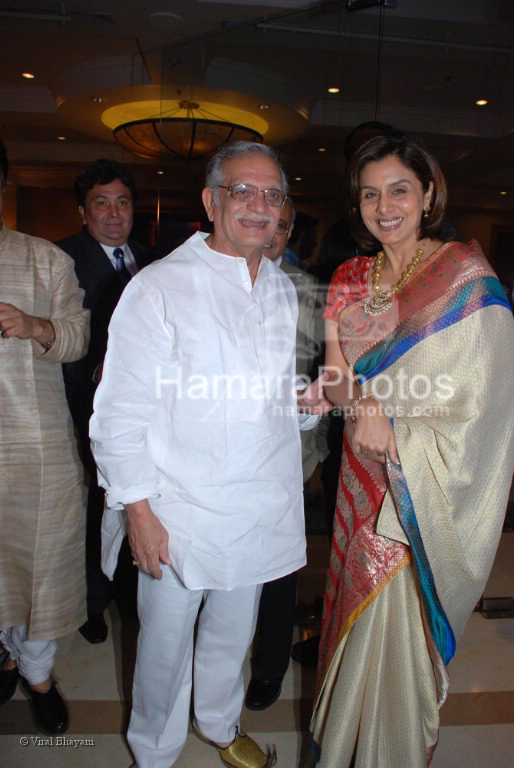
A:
{"x": 215, "y": 172}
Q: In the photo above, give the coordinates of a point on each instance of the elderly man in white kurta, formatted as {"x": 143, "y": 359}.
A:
{"x": 195, "y": 433}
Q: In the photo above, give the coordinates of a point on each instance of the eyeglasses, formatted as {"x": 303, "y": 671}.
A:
{"x": 282, "y": 227}
{"x": 246, "y": 193}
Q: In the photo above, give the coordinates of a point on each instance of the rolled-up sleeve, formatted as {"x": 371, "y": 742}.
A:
{"x": 127, "y": 398}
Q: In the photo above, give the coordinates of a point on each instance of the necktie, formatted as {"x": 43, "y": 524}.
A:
{"x": 121, "y": 267}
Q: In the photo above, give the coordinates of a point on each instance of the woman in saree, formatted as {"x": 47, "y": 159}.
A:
{"x": 419, "y": 344}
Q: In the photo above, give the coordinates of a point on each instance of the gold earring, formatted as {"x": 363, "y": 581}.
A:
{"x": 426, "y": 211}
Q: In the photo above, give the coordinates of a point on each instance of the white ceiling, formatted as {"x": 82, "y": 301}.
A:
{"x": 438, "y": 57}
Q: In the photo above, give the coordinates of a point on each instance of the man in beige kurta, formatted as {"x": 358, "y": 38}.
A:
{"x": 42, "y": 324}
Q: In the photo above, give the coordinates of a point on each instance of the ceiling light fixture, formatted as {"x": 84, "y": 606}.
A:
{"x": 333, "y": 89}
{"x": 61, "y": 138}
{"x": 322, "y": 149}
{"x": 185, "y": 131}
{"x": 28, "y": 75}
{"x": 481, "y": 102}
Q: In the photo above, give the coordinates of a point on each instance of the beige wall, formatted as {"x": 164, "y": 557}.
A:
{"x": 478, "y": 225}
{"x": 48, "y": 213}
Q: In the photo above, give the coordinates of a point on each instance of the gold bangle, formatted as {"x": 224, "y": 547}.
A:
{"x": 353, "y": 415}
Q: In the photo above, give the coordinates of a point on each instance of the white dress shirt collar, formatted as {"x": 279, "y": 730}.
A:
{"x": 129, "y": 259}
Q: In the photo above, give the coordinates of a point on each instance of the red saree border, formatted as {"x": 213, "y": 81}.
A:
{"x": 362, "y": 563}
{"x": 369, "y": 599}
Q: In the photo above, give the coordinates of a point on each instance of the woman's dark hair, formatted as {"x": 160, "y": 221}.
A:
{"x": 362, "y": 133}
{"x": 103, "y": 172}
{"x": 413, "y": 154}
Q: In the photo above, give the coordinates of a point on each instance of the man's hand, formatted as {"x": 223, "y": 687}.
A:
{"x": 312, "y": 399}
{"x": 148, "y": 538}
{"x": 17, "y": 324}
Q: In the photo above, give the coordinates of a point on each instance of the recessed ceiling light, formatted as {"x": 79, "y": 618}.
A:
{"x": 297, "y": 178}
{"x": 334, "y": 89}
{"x": 322, "y": 149}
{"x": 160, "y": 173}
{"x": 481, "y": 102}
{"x": 503, "y": 193}
{"x": 61, "y": 138}
{"x": 28, "y": 75}
{"x": 263, "y": 106}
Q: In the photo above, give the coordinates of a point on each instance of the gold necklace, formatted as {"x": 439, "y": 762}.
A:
{"x": 382, "y": 300}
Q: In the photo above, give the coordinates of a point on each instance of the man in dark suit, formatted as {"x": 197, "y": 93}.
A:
{"x": 105, "y": 260}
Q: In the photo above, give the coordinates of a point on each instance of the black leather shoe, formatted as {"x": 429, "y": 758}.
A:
{"x": 306, "y": 652}
{"x": 50, "y": 710}
{"x": 8, "y": 683}
{"x": 95, "y": 628}
{"x": 262, "y": 693}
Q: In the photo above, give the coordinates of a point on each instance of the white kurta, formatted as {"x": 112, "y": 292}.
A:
{"x": 197, "y": 412}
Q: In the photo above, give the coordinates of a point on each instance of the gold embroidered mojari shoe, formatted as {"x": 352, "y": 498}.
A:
{"x": 243, "y": 752}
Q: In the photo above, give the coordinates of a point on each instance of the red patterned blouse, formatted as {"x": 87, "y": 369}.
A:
{"x": 349, "y": 284}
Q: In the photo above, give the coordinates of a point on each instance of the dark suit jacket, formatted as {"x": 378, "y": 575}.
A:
{"x": 103, "y": 287}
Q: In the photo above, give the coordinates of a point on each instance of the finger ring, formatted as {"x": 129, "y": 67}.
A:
{"x": 135, "y": 562}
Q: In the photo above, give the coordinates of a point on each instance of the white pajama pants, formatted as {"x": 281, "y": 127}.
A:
{"x": 35, "y": 658}
{"x": 164, "y": 668}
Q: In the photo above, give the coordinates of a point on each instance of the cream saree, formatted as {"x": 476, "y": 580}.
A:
{"x": 414, "y": 543}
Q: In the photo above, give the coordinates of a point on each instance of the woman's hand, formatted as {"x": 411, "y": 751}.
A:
{"x": 374, "y": 436}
